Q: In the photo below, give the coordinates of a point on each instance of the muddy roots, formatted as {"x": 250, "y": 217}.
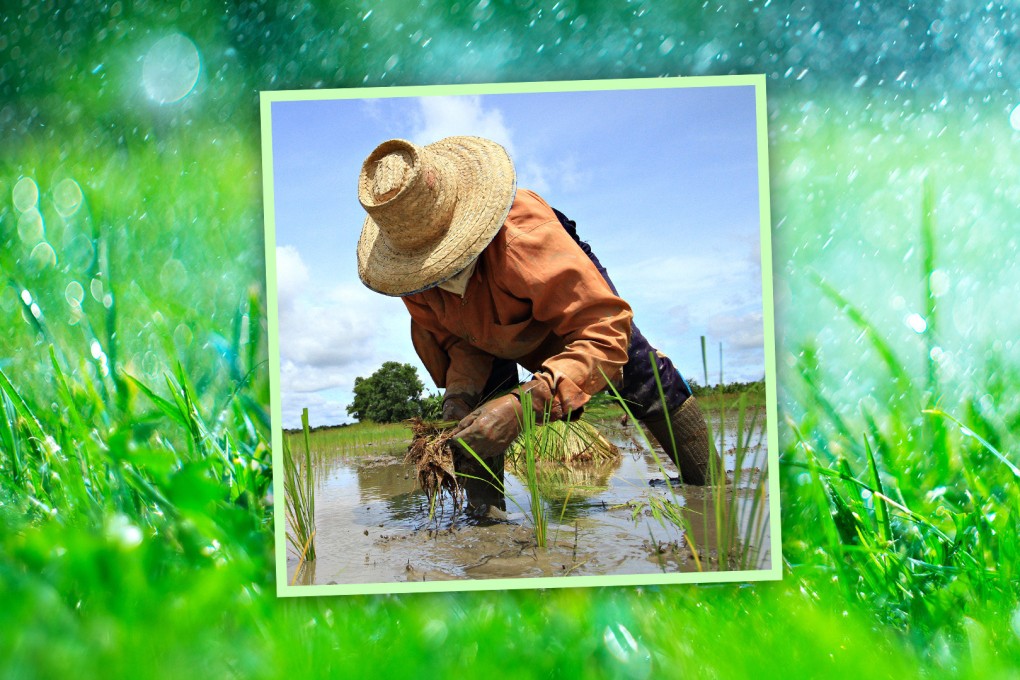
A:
{"x": 432, "y": 455}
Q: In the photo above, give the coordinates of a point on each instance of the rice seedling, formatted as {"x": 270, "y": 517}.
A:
{"x": 564, "y": 441}
{"x": 729, "y": 516}
{"x": 299, "y": 490}
{"x": 527, "y": 450}
{"x": 431, "y": 453}
{"x": 354, "y": 439}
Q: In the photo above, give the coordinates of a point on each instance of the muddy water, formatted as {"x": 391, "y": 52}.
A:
{"x": 373, "y": 525}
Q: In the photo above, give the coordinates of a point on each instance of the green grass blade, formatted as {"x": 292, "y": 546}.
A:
{"x": 881, "y": 513}
{"x": 966, "y": 431}
{"x": 903, "y": 383}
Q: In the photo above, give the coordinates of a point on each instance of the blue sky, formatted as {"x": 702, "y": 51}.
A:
{"x": 662, "y": 183}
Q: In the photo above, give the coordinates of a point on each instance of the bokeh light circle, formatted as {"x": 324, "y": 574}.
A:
{"x": 25, "y": 195}
{"x": 170, "y": 69}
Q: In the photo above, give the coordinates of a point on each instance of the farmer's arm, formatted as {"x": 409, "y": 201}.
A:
{"x": 545, "y": 265}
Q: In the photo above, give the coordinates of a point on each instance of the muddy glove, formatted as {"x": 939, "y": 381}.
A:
{"x": 457, "y": 405}
{"x": 491, "y": 427}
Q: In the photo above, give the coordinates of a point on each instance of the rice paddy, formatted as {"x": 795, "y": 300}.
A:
{"x": 573, "y": 496}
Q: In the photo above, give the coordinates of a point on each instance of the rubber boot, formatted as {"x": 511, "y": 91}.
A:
{"x": 690, "y": 432}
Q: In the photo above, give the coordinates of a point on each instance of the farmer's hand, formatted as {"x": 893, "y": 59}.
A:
{"x": 457, "y": 405}
{"x": 491, "y": 427}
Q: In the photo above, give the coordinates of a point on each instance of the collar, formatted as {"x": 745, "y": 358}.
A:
{"x": 457, "y": 284}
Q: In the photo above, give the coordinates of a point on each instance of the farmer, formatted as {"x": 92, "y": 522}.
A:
{"x": 494, "y": 277}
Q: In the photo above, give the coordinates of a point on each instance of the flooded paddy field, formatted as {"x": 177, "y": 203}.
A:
{"x": 373, "y": 523}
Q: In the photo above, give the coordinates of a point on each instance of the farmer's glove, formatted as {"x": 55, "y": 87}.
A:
{"x": 457, "y": 405}
{"x": 491, "y": 427}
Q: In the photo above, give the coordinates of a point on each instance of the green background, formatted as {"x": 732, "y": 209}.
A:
{"x": 135, "y": 496}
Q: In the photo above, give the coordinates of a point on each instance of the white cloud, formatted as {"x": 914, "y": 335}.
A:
{"x": 450, "y": 116}
{"x": 532, "y": 176}
{"x": 739, "y": 332}
{"x": 330, "y": 335}
{"x": 291, "y": 275}
{"x": 323, "y": 409}
{"x": 678, "y": 298}
{"x": 464, "y": 115}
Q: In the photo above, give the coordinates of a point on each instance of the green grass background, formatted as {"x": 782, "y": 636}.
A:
{"x": 135, "y": 497}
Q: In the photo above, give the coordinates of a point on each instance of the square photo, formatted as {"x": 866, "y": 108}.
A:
{"x": 521, "y": 335}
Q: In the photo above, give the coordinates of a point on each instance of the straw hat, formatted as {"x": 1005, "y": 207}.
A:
{"x": 431, "y": 210}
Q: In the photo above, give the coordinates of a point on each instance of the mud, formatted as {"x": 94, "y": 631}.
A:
{"x": 373, "y": 525}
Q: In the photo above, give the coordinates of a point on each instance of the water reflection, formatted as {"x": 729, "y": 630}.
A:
{"x": 373, "y": 523}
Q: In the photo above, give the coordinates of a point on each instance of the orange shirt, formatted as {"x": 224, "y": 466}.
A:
{"x": 534, "y": 298}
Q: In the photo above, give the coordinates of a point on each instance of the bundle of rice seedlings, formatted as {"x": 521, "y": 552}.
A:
{"x": 432, "y": 454}
{"x": 560, "y": 481}
{"x": 568, "y": 442}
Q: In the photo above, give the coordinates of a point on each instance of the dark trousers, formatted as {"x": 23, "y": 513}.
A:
{"x": 639, "y": 388}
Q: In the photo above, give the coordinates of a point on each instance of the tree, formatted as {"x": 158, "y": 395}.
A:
{"x": 391, "y": 394}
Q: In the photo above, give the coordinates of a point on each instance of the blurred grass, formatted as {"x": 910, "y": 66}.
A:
{"x": 135, "y": 497}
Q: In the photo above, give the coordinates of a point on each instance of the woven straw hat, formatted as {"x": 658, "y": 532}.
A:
{"x": 431, "y": 210}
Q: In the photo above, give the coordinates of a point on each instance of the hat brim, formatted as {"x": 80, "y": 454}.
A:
{"x": 486, "y": 185}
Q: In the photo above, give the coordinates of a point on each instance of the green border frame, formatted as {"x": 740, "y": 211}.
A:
{"x": 283, "y": 589}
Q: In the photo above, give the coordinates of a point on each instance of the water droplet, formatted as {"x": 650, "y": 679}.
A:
{"x": 435, "y": 632}
{"x": 170, "y": 69}
{"x": 25, "y": 194}
{"x": 67, "y": 197}
{"x": 173, "y": 275}
{"x": 26, "y": 297}
{"x": 96, "y": 349}
{"x": 123, "y": 532}
{"x": 939, "y": 282}
{"x": 916, "y": 323}
{"x": 1014, "y": 118}
{"x": 74, "y": 294}
{"x": 634, "y": 662}
{"x": 183, "y": 335}
{"x": 43, "y": 255}
{"x": 30, "y": 227}
{"x": 667, "y": 46}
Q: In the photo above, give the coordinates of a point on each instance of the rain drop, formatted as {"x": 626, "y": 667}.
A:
{"x": 916, "y": 323}
{"x": 122, "y": 531}
{"x": 939, "y": 283}
{"x": 170, "y": 69}
{"x": 25, "y": 194}
{"x": 634, "y": 662}
{"x": 67, "y": 197}
{"x": 1014, "y": 118}
{"x": 74, "y": 294}
{"x": 43, "y": 255}
{"x": 30, "y": 227}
